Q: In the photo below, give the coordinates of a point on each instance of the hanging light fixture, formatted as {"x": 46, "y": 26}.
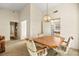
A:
{"x": 46, "y": 17}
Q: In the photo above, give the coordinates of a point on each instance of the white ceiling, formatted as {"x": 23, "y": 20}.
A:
{"x": 19, "y": 6}
{"x": 12, "y": 6}
{"x": 43, "y": 6}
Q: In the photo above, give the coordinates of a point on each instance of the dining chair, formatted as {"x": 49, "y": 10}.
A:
{"x": 64, "y": 48}
{"x": 41, "y": 35}
{"x": 35, "y": 51}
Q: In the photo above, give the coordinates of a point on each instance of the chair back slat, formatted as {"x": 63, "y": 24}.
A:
{"x": 68, "y": 42}
{"x": 63, "y": 49}
{"x": 69, "y": 39}
{"x": 31, "y": 47}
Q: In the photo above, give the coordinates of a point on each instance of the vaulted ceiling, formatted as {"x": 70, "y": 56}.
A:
{"x": 12, "y": 6}
{"x": 19, "y": 6}
{"x": 43, "y": 6}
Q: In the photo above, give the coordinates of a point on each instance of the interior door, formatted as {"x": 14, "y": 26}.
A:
{"x": 23, "y": 29}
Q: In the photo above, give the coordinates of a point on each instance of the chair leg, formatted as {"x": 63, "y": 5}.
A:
{"x": 55, "y": 53}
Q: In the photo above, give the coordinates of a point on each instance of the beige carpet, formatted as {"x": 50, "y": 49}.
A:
{"x": 15, "y": 48}
{"x": 18, "y": 48}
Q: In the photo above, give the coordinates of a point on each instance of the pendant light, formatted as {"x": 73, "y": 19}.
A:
{"x": 46, "y": 17}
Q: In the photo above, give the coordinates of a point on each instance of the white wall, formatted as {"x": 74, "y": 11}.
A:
{"x": 69, "y": 22}
{"x": 33, "y": 15}
{"x": 47, "y": 28}
{"x": 69, "y": 25}
{"x": 14, "y": 15}
{"x": 24, "y": 14}
{"x": 5, "y": 17}
{"x": 35, "y": 20}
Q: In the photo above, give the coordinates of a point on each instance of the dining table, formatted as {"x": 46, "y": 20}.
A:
{"x": 49, "y": 41}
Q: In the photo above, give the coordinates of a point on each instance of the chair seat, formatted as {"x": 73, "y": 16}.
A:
{"x": 40, "y": 48}
{"x": 41, "y": 51}
{"x": 39, "y": 45}
{"x": 60, "y": 49}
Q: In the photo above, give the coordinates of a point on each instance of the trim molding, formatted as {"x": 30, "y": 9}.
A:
{"x": 74, "y": 49}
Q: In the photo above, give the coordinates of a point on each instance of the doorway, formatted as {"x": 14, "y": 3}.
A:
{"x": 13, "y": 30}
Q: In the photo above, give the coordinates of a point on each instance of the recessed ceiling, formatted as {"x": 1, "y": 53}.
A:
{"x": 12, "y": 6}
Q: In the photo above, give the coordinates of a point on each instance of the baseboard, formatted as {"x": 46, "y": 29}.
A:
{"x": 74, "y": 49}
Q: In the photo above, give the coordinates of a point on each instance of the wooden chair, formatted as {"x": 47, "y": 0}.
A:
{"x": 64, "y": 48}
{"x": 33, "y": 50}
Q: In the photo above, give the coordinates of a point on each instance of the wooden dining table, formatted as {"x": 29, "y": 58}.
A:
{"x": 49, "y": 41}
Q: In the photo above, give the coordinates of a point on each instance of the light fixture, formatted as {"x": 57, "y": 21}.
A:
{"x": 46, "y": 17}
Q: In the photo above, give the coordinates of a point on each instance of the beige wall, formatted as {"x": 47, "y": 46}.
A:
{"x": 5, "y": 17}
